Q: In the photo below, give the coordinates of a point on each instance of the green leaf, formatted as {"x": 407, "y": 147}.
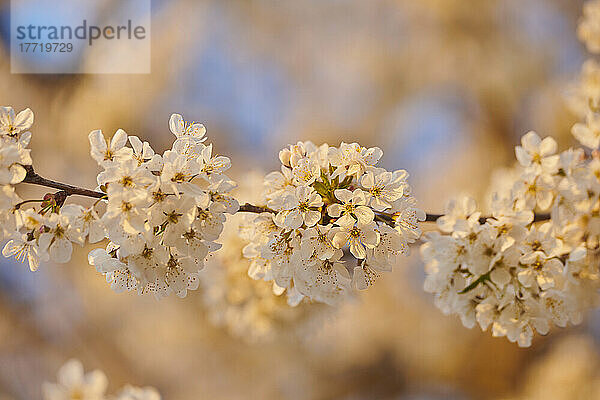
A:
{"x": 475, "y": 283}
{"x": 321, "y": 188}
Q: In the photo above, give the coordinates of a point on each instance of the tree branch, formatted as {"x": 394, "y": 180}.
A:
{"x": 382, "y": 217}
{"x": 33, "y": 178}
{"x": 255, "y": 209}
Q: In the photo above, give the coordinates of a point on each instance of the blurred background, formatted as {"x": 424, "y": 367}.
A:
{"x": 445, "y": 87}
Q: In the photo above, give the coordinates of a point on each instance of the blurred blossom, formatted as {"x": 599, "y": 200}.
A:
{"x": 253, "y": 310}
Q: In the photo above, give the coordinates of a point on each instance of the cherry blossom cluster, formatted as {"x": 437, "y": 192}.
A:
{"x": 74, "y": 383}
{"x": 535, "y": 260}
{"x": 163, "y": 212}
{"x": 511, "y": 272}
{"x": 330, "y": 210}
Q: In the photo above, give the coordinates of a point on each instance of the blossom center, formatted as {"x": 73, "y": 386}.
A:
{"x": 376, "y": 191}
{"x": 178, "y": 177}
{"x": 127, "y": 181}
{"x": 159, "y": 195}
{"x": 147, "y": 253}
{"x": 59, "y": 231}
{"x": 173, "y": 217}
{"x": 126, "y": 206}
{"x": 108, "y": 155}
{"x": 355, "y": 232}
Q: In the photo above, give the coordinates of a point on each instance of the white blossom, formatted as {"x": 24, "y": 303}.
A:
{"x": 106, "y": 152}
{"x": 353, "y": 207}
{"x": 323, "y": 203}
{"x": 11, "y": 124}
{"x": 358, "y": 238}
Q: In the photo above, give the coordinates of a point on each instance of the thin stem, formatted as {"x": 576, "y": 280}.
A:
{"x": 432, "y": 217}
{"x": 255, "y": 209}
{"x": 18, "y": 205}
{"x": 33, "y": 178}
{"x": 383, "y": 217}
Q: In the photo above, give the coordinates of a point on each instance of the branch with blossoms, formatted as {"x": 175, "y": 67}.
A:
{"x": 69, "y": 190}
{"x": 164, "y": 213}
{"x": 518, "y": 273}
{"x": 330, "y": 221}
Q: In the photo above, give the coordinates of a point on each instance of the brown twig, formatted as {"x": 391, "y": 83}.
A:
{"x": 255, "y": 209}
{"x": 33, "y": 178}
{"x": 383, "y": 217}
